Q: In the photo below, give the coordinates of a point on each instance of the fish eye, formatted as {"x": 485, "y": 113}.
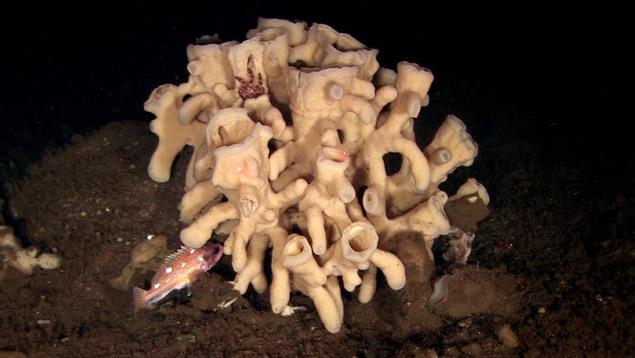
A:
{"x": 215, "y": 250}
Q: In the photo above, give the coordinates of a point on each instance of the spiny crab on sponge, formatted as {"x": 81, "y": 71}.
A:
{"x": 288, "y": 129}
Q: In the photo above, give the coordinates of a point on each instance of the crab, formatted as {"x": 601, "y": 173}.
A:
{"x": 252, "y": 87}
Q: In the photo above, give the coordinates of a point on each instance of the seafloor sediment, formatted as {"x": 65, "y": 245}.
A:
{"x": 92, "y": 202}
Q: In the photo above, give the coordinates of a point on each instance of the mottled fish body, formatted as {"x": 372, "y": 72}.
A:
{"x": 178, "y": 270}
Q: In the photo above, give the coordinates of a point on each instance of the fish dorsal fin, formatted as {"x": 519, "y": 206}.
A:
{"x": 173, "y": 256}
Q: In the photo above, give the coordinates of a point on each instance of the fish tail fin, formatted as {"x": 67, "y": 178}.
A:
{"x": 139, "y": 299}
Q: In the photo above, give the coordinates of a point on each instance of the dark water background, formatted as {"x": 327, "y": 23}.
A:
{"x": 542, "y": 80}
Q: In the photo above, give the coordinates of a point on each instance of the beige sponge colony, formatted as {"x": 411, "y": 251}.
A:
{"x": 289, "y": 129}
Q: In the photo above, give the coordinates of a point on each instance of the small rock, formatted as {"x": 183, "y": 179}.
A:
{"x": 465, "y": 323}
{"x": 507, "y": 336}
{"x": 473, "y": 350}
{"x": 533, "y": 353}
{"x": 542, "y": 310}
{"x": 430, "y": 353}
{"x": 452, "y": 352}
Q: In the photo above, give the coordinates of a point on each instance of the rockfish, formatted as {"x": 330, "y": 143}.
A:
{"x": 178, "y": 270}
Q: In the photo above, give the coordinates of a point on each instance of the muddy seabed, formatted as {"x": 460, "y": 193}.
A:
{"x": 533, "y": 268}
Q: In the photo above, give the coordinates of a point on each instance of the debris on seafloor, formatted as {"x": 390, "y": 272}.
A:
{"x": 465, "y": 210}
{"x": 470, "y": 290}
{"x": 25, "y": 260}
{"x": 146, "y": 256}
